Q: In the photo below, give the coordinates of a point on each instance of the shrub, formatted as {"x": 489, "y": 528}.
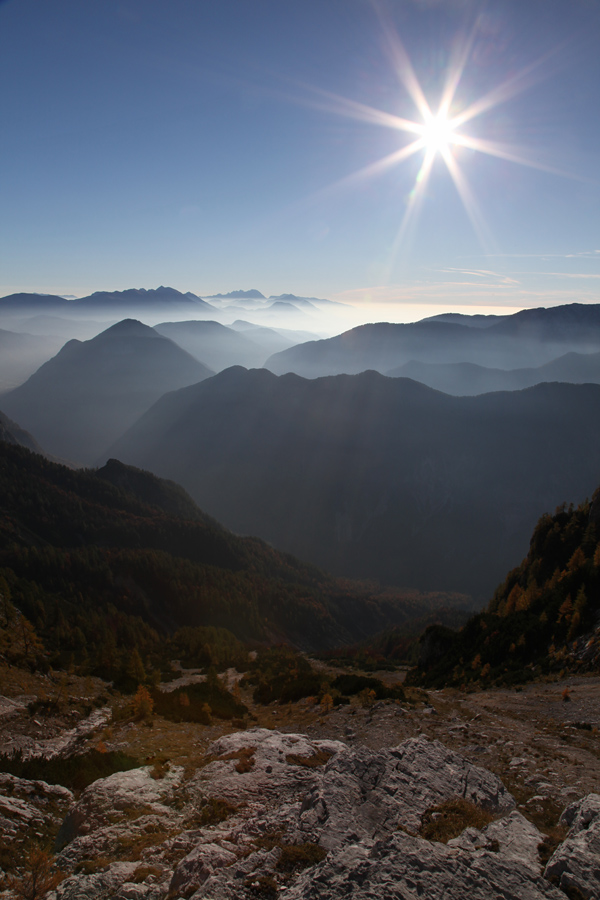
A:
{"x": 143, "y": 704}
{"x": 39, "y": 876}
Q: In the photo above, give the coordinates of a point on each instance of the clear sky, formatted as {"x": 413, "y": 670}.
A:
{"x": 211, "y": 145}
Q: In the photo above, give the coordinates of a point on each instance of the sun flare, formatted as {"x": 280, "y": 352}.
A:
{"x": 437, "y": 134}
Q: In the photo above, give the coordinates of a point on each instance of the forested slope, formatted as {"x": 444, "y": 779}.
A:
{"x": 99, "y": 571}
{"x": 544, "y": 617}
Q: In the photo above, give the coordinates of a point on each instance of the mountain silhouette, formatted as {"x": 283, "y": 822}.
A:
{"x": 376, "y": 477}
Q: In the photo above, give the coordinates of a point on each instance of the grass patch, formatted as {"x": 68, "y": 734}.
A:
{"x": 159, "y": 769}
{"x": 132, "y": 846}
{"x": 448, "y": 820}
{"x": 551, "y": 841}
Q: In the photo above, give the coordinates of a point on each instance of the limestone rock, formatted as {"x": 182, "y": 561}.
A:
{"x": 365, "y": 794}
{"x": 112, "y": 883}
{"x": 226, "y": 832}
{"x": 575, "y": 865}
{"x": 26, "y": 805}
{"x": 119, "y": 793}
{"x": 197, "y": 867}
{"x": 405, "y": 867}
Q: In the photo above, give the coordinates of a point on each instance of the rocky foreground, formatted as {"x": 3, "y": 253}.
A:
{"x": 270, "y": 814}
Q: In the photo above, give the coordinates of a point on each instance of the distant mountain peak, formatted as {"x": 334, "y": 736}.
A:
{"x": 129, "y": 328}
{"x": 252, "y": 294}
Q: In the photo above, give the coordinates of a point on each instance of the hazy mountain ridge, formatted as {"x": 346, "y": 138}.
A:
{"x": 12, "y": 433}
{"x": 215, "y": 345}
{"x": 531, "y": 336}
{"x": 131, "y": 298}
{"x": 467, "y": 378}
{"x": 90, "y": 392}
{"x": 21, "y": 354}
{"x": 372, "y": 476}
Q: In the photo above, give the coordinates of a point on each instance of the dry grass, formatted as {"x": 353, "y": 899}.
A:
{"x": 448, "y": 820}
{"x": 245, "y": 757}
{"x": 159, "y": 769}
{"x": 142, "y": 873}
{"x": 309, "y": 762}
{"x": 262, "y": 885}
{"x": 212, "y": 811}
{"x": 295, "y": 857}
{"x": 551, "y": 841}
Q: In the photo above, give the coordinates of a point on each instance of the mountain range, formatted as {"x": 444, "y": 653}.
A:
{"x": 121, "y": 302}
{"x": 376, "y": 477}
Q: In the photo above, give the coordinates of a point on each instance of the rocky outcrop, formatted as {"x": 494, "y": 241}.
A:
{"x": 266, "y": 814}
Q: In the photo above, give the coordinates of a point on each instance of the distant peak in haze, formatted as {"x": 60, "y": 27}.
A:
{"x": 129, "y": 327}
{"x": 252, "y": 294}
{"x": 162, "y": 293}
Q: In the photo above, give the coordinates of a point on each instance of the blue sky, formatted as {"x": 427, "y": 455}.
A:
{"x": 211, "y": 146}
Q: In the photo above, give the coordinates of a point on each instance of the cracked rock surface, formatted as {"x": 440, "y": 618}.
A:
{"x": 267, "y": 813}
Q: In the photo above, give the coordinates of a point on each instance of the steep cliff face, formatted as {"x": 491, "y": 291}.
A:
{"x": 267, "y": 814}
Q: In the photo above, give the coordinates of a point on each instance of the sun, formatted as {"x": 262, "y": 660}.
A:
{"x": 437, "y": 133}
